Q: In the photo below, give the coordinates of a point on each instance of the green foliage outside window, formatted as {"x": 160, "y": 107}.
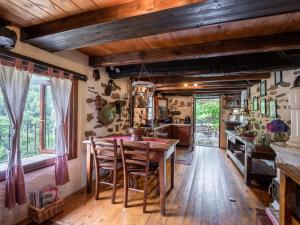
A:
{"x": 30, "y": 128}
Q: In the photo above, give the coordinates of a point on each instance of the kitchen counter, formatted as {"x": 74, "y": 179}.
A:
{"x": 251, "y": 159}
{"x": 163, "y": 125}
{"x": 179, "y": 131}
{"x": 247, "y": 141}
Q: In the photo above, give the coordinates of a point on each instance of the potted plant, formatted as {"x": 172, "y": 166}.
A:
{"x": 279, "y": 130}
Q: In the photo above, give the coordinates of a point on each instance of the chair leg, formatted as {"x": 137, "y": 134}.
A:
{"x": 113, "y": 197}
{"x": 145, "y": 193}
{"x": 125, "y": 190}
{"x": 97, "y": 186}
{"x": 157, "y": 186}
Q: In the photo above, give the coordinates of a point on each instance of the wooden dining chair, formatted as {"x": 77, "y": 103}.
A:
{"x": 106, "y": 157}
{"x": 136, "y": 162}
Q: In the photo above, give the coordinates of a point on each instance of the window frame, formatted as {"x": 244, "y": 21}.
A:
{"x": 70, "y": 134}
{"x": 43, "y": 148}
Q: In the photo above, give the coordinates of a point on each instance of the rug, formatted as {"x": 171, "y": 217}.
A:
{"x": 184, "y": 157}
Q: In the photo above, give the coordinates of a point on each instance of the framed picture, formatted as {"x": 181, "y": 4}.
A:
{"x": 273, "y": 109}
{"x": 263, "y": 88}
{"x": 263, "y": 106}
{"x": 278, "y": 77}
{"x": 255, "y": 103}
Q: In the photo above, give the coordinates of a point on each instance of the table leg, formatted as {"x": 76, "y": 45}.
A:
{"x": 162, "y": 184}
{"x": 248, "y": 169}
{"x": 173, "y": 158}
{"x": 89, "y": 169}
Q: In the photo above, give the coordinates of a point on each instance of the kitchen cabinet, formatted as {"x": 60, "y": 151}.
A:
{"x": 183, "y": 134}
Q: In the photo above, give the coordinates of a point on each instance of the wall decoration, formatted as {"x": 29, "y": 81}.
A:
{"x": 96, "y": 74}
{"x": 273, "y": 109}
{"x": 107, "y": 114}
{"x": 278, "y": 77}
{"x": 255, "y": 103}
{"x": 263, "y": 88}
{"x": 263, "y": 106}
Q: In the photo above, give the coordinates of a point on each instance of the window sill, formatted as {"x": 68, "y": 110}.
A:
{"x": 31, "y": 164}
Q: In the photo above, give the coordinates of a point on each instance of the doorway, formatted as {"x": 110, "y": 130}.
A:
{"x": 207, "y": 121}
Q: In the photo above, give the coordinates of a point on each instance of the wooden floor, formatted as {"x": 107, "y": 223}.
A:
{"x": 209, "y": 191}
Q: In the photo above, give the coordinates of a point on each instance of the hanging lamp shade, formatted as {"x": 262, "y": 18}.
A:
{"x": 141, "y": 85}
{"x": 146, "y": 84}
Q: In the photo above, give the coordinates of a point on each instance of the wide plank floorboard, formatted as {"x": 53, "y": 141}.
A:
{"x": 210, "y": 191}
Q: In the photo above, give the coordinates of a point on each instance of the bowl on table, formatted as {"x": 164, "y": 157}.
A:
{"x": 137, "y": 133}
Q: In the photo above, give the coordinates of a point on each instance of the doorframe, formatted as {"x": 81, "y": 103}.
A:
{"x": 194, "y": 112}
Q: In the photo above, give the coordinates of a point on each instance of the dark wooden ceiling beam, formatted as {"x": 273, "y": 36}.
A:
{"x": 225, "y": 65}
{"x": 236, "y": 78}
{"x": 268, "y": 43}
{"x": 202, "y": 87}
{"x": 107, "y": 25}
{"x": 191, "y": 85}
{"x": 202, "y": 92}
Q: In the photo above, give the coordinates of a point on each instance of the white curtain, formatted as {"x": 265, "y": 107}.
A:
{"x": 61, "y": 90}
{"x": 14, "y": 84}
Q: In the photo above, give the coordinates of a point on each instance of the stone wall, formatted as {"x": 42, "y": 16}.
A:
{"x": 279, "y": 92}
{"x": 183, "y": 104}
{"x": 120, "y": 124}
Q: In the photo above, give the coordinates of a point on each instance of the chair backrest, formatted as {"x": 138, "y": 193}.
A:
{"x": 135, "y": 153}
{"x": 104, "y": 149}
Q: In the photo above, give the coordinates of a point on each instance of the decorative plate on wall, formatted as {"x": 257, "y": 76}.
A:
{"x": 107, "y": 114}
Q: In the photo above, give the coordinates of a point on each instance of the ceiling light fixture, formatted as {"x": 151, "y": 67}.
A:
{"x": 185, "y": 84}
{"x": 195, "y": 85}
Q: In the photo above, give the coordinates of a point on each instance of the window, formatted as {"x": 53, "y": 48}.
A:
{"x": 37, "y": 129}
{"x": 34, "y": 131}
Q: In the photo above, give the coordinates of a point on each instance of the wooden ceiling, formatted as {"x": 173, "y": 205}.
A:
{"x": 225, "y": 31}
{"x": 26, "y": 13}
{"x": 174, "y": 38}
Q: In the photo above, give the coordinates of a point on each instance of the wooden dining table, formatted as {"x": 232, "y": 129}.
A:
{"x": 160, "y": 151}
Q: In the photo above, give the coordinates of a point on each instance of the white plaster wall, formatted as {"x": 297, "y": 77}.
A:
{"x": 79, "y": 63}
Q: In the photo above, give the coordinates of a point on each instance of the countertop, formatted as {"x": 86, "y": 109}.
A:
{"x": 163, "y": 125}
{"x": 245, "y": 140}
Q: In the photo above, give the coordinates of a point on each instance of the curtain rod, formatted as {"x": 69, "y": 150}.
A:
{"x": 43, "y": 66}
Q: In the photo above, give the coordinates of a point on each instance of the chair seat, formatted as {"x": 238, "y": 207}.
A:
{"x": 110, "y": 165}
{"x": 140, "y": 171}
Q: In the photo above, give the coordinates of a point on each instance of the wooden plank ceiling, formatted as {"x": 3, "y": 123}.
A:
{"x": 26, "y": 13}
{"x": 174, "y": 38}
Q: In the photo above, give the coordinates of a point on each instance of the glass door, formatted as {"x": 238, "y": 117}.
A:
{"x": 207, "y": 121}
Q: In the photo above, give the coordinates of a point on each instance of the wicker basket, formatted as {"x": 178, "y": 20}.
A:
{"x": 40, "y": 215}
